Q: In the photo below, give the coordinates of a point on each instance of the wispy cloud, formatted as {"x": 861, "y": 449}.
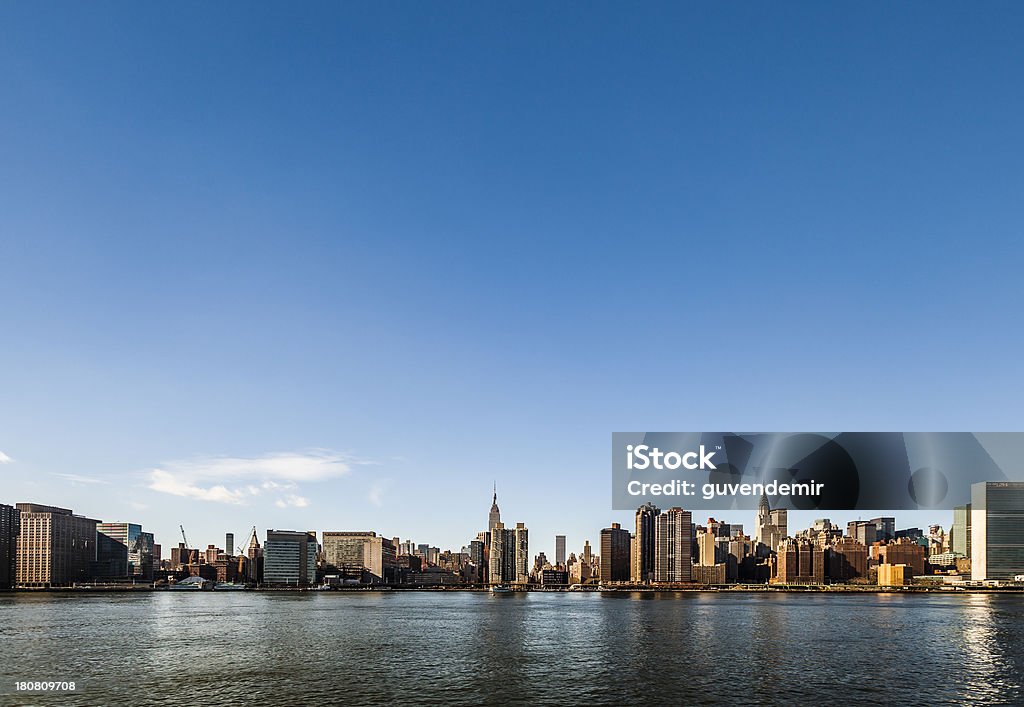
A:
{"x": 293, "y": 501}
{"x": 4, "y": 459}
{"x": 376, "y": 494}
{"x": 234, "y": 480}
{"x": 79, "y": 480}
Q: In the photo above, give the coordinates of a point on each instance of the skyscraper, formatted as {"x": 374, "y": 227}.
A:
{"x": 522, "y": 542}
{"x": 229, "y": 544}
{"x": 961, "y": 530}
{"x": 10, "y": 523}
{"x": 615, "y": 544}
{"x": 772, "y": 526}
{"x": 494, "y": 517}
{"x": 560, "y": 550}
{"x": 502, "y": 555}
{"x": 124, "y": 550}
{"x": 289, "y": 558}
{"x": 55, "y": 548}
{"x": 646, "y": 549}
{"x": 673, "y": 531}
{"x": 997, "y": 530}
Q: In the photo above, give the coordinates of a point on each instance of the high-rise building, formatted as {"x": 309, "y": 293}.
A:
{"x": 229, "y": 544}
{"x": 55, "y": 548}
{"x": 289, "y": 558}
{"x": 502, "y": 555}
{"x": 800, "y": 562}
{"x": 863, "y": 531}
{"x": 885, "y": 528}
{"x": 646, "y": 548}
{"x": 997, "y": 530}
{"x": 846, "y": 559}
{"x": 494, "y": 517}
{"x": 522, "y": 553}
{"x": 673, "y": 535}
{"x": 772, "y": 526}
{"x": 10, "y": 524}
{"x": 560, "y": 550}
{"x": 615, "y": 544}
{"x": 961, "y": 530}
{"x": 362, "y": 555}
{"x": 124, "y": 550}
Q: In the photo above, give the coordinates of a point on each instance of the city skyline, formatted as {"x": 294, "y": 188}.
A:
{"x": 372, "y": 262}
{"x": 753, "y": 524}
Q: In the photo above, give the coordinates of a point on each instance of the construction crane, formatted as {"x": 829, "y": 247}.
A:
{"x": 188, "y": 548}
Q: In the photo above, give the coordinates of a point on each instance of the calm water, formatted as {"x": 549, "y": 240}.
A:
{"x": 474, "y": 648}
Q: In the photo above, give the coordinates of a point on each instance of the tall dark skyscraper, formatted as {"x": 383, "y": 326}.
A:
{"x": 10, "y": 522}
{"x": 615, "y": 545}
{"x": 674, "y": 559}
{"x": 646, "y": 547}
{"x": 560, "y": 550}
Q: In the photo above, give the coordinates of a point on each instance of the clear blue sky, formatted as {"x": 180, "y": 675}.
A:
{"x": 341, "y": 266}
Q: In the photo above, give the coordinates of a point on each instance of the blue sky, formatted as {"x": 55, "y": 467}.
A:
{"x": 341, "y": 266}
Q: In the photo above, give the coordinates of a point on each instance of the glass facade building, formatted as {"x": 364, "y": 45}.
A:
{"x": 997, "y": 530}
{"x": 289, "y": 558}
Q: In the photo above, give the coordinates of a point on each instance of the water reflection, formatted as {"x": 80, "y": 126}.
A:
{"x": 475, "y": 648}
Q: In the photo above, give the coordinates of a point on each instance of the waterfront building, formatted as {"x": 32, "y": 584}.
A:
{"x": 673, "y": 535}
{"x": 997, "y": 530}
{"x": 893, "y": 575}
{"x": 615, "y": 543}
{"x": 502, "y": 569}
{"x": 560, "y": 551}
{"x": 845, "y": 560}
{"x": 254, "y": 554}
{"x": 800, "y": 562}
{"x": 646, "y": 546}
{"x": 289, "y": 558}
{"x": 123, "y": 550}
{"x": 10, "y": 524}
{"x": 554, "y": 578}
{"x": 522, "y": 553}
{"x": 478, "y": 560}
{"x": 56, "y": 548}
{"x": 709, "y": 574}
{"x": 365, "y": 556}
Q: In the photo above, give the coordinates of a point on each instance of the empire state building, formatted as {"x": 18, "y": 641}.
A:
{"x": 494, "y": 517}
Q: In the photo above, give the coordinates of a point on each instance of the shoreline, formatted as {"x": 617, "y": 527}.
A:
{"x": 735, "y": 589}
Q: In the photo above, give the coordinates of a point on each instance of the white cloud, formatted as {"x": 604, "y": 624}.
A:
{"x": 293, "y": 501}
{"x": 233, "y": 480}
{"x": 376, "y": 494}
{"x": 4, "y": 459}
{"x": 78, "y": 479}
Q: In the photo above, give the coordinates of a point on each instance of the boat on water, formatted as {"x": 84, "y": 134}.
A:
{"x": 500, "y": 589}
{"x": 229, "y": 587}
{"x": 192, "y": 584}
